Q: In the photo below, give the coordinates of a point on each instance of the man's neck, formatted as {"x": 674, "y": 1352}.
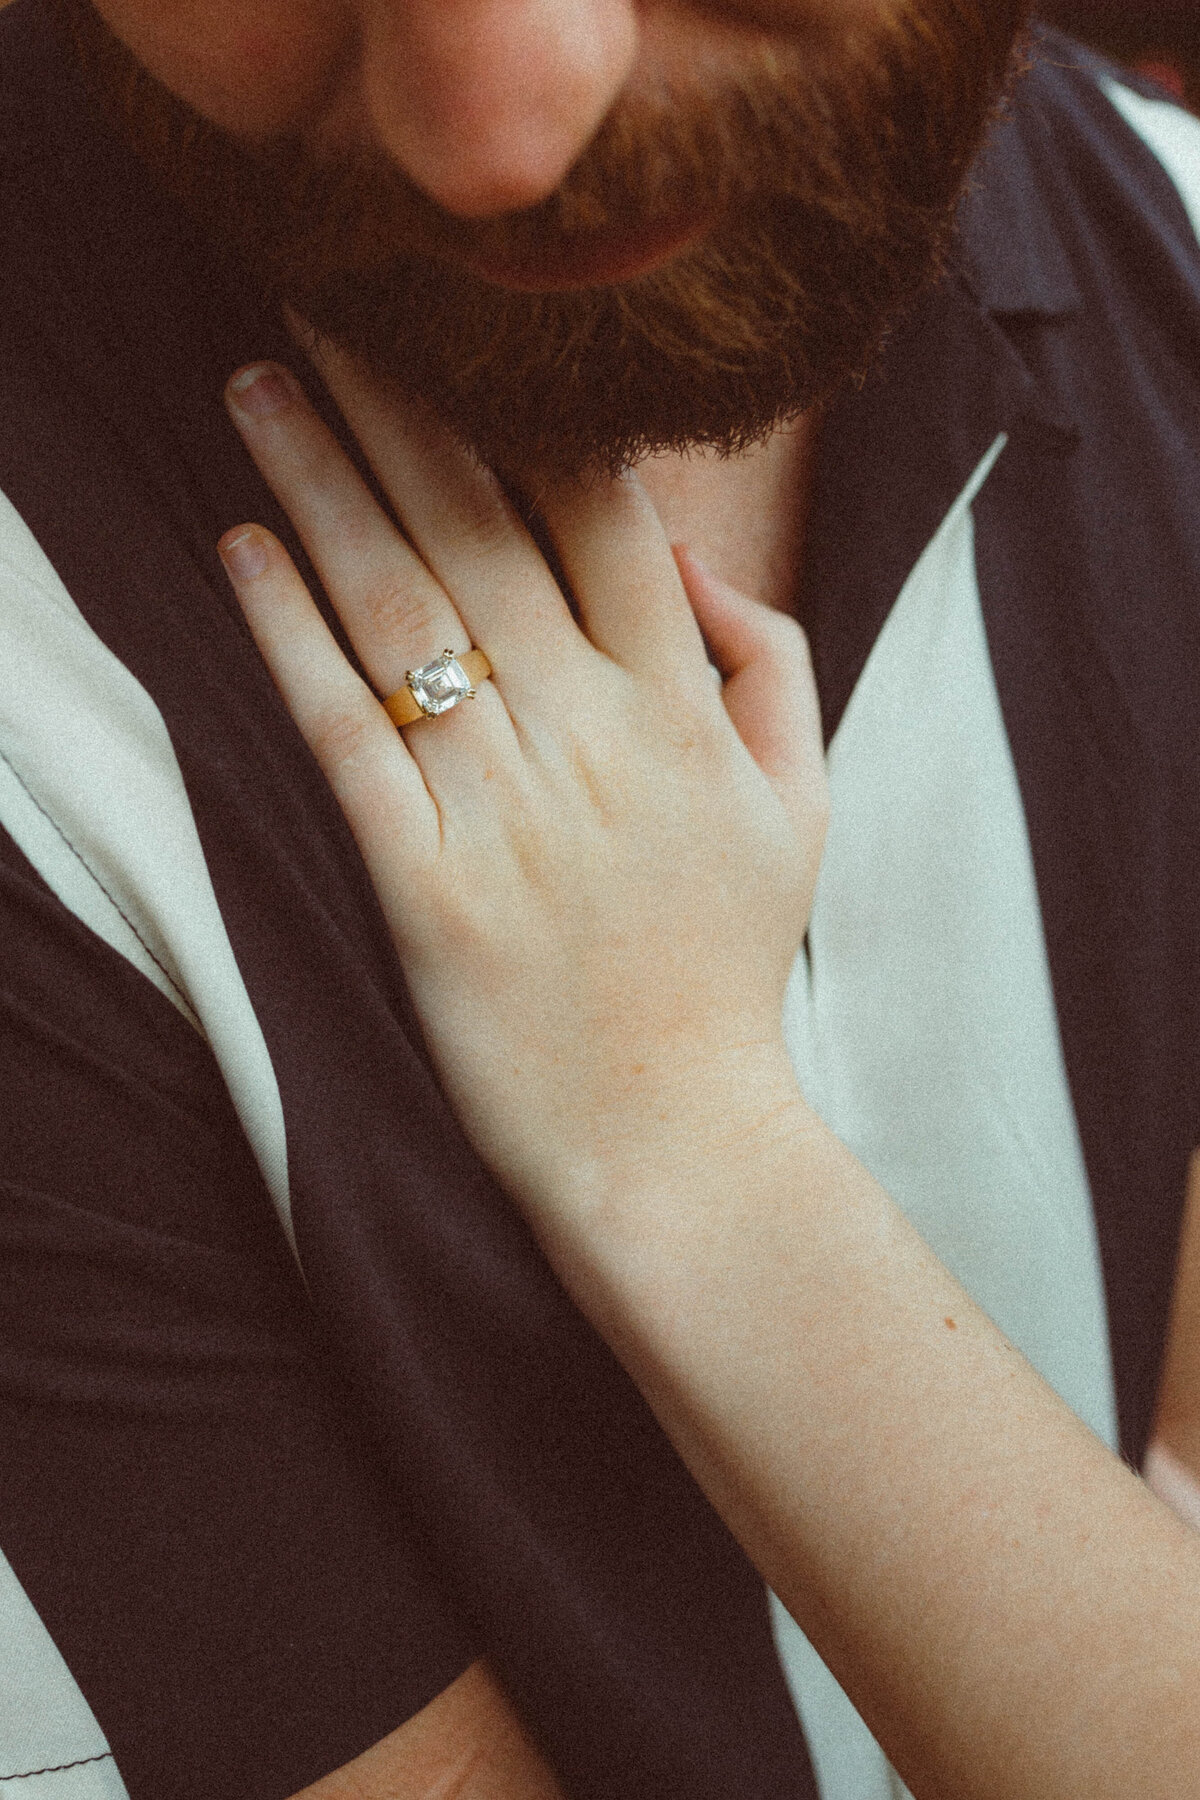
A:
{"x": 742, "y": 515}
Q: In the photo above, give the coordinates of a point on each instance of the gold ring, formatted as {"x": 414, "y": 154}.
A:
{"x": 437, "y": 687}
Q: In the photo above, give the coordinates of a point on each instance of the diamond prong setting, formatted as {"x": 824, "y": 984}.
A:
{"x": 440, "y": 685}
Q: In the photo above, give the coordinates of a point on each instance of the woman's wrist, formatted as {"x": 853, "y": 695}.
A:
{"x": 668, "y": 1172}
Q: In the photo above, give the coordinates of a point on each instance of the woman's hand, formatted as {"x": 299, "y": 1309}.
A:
{"x": 597, "y": 872}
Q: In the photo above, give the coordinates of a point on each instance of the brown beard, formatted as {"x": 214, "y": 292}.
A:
{"x": 832, "y": 164}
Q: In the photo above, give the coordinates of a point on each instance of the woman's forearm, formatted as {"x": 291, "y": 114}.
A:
{"x": 1011, "y": 1609}
{"x": 597, "y": 878}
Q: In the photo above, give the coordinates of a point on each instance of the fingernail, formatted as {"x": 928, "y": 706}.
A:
{"x": 263, "y": 389}
{"x": 244, "y": 554}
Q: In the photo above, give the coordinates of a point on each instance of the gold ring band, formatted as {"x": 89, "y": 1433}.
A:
{"x": 438, "y": 686}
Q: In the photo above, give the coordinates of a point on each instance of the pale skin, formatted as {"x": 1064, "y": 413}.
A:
{"x": 467, "y": 1744}
{"x": 485, "y": 104}
{"x": 1011, "y": 1608}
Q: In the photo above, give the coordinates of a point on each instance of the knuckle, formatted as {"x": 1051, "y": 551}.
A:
{"x": 337, "y": 736}
{"x": 397, "y": 610}
{"x": 314, "y": 456}
{"x": 487, "y": 514}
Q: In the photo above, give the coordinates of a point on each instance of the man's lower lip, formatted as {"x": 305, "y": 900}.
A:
{"x": 601, "y": 261}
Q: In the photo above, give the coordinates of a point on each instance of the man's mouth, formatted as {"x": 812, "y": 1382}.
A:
{"x": 597, "y": 259}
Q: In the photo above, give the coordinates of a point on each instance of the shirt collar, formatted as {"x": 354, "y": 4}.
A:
{"x": 1009, "y": 250}
{"x": 895, "y": 453}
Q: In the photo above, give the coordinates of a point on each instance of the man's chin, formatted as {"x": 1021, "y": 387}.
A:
{"x": 703, "y": 274}
{"x": 711, "y": 349}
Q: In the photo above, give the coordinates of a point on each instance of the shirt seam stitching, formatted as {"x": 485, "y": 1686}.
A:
{"x": 56, "y": 1768}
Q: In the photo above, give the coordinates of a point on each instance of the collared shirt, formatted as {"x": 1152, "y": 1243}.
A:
{"x": 1019, "y": 474}
{"x": 922, "y": 1016}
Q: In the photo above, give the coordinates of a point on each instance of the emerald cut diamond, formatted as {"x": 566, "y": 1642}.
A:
{"x": 440, "y": 685}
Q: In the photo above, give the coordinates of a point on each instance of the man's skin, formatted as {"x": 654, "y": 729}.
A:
{"x": 485, "y": 104}
{"x": 466, "y": 1745}
{"x": 1173, "y": 1460}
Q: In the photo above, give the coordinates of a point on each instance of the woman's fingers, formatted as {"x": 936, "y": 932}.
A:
{"x": 617, "y": 558}
{"x": 465, "y": 529}
{"x": 555, "y": 884}
{"x": 397, "y": 616}
{"x": 364, "y": 758}
{"x": 769, "y": 692}
{"x": 640, "y": 606}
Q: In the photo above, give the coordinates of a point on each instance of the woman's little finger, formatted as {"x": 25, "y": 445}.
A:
{"x": 769, "y": 690}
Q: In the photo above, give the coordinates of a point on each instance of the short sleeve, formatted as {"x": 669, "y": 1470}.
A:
{"x": 189, "y": 1496}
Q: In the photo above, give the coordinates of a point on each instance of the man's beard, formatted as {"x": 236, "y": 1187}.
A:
{"x": 830, "y": 163}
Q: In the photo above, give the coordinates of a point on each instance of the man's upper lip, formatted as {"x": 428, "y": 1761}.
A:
{"x": 596, "y": 260}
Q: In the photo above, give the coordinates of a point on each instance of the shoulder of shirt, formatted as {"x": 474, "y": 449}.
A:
{"x": 1170, "y": 133}
{"x": 1168, "y": 130}
{"x": 1083, "y": 151}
